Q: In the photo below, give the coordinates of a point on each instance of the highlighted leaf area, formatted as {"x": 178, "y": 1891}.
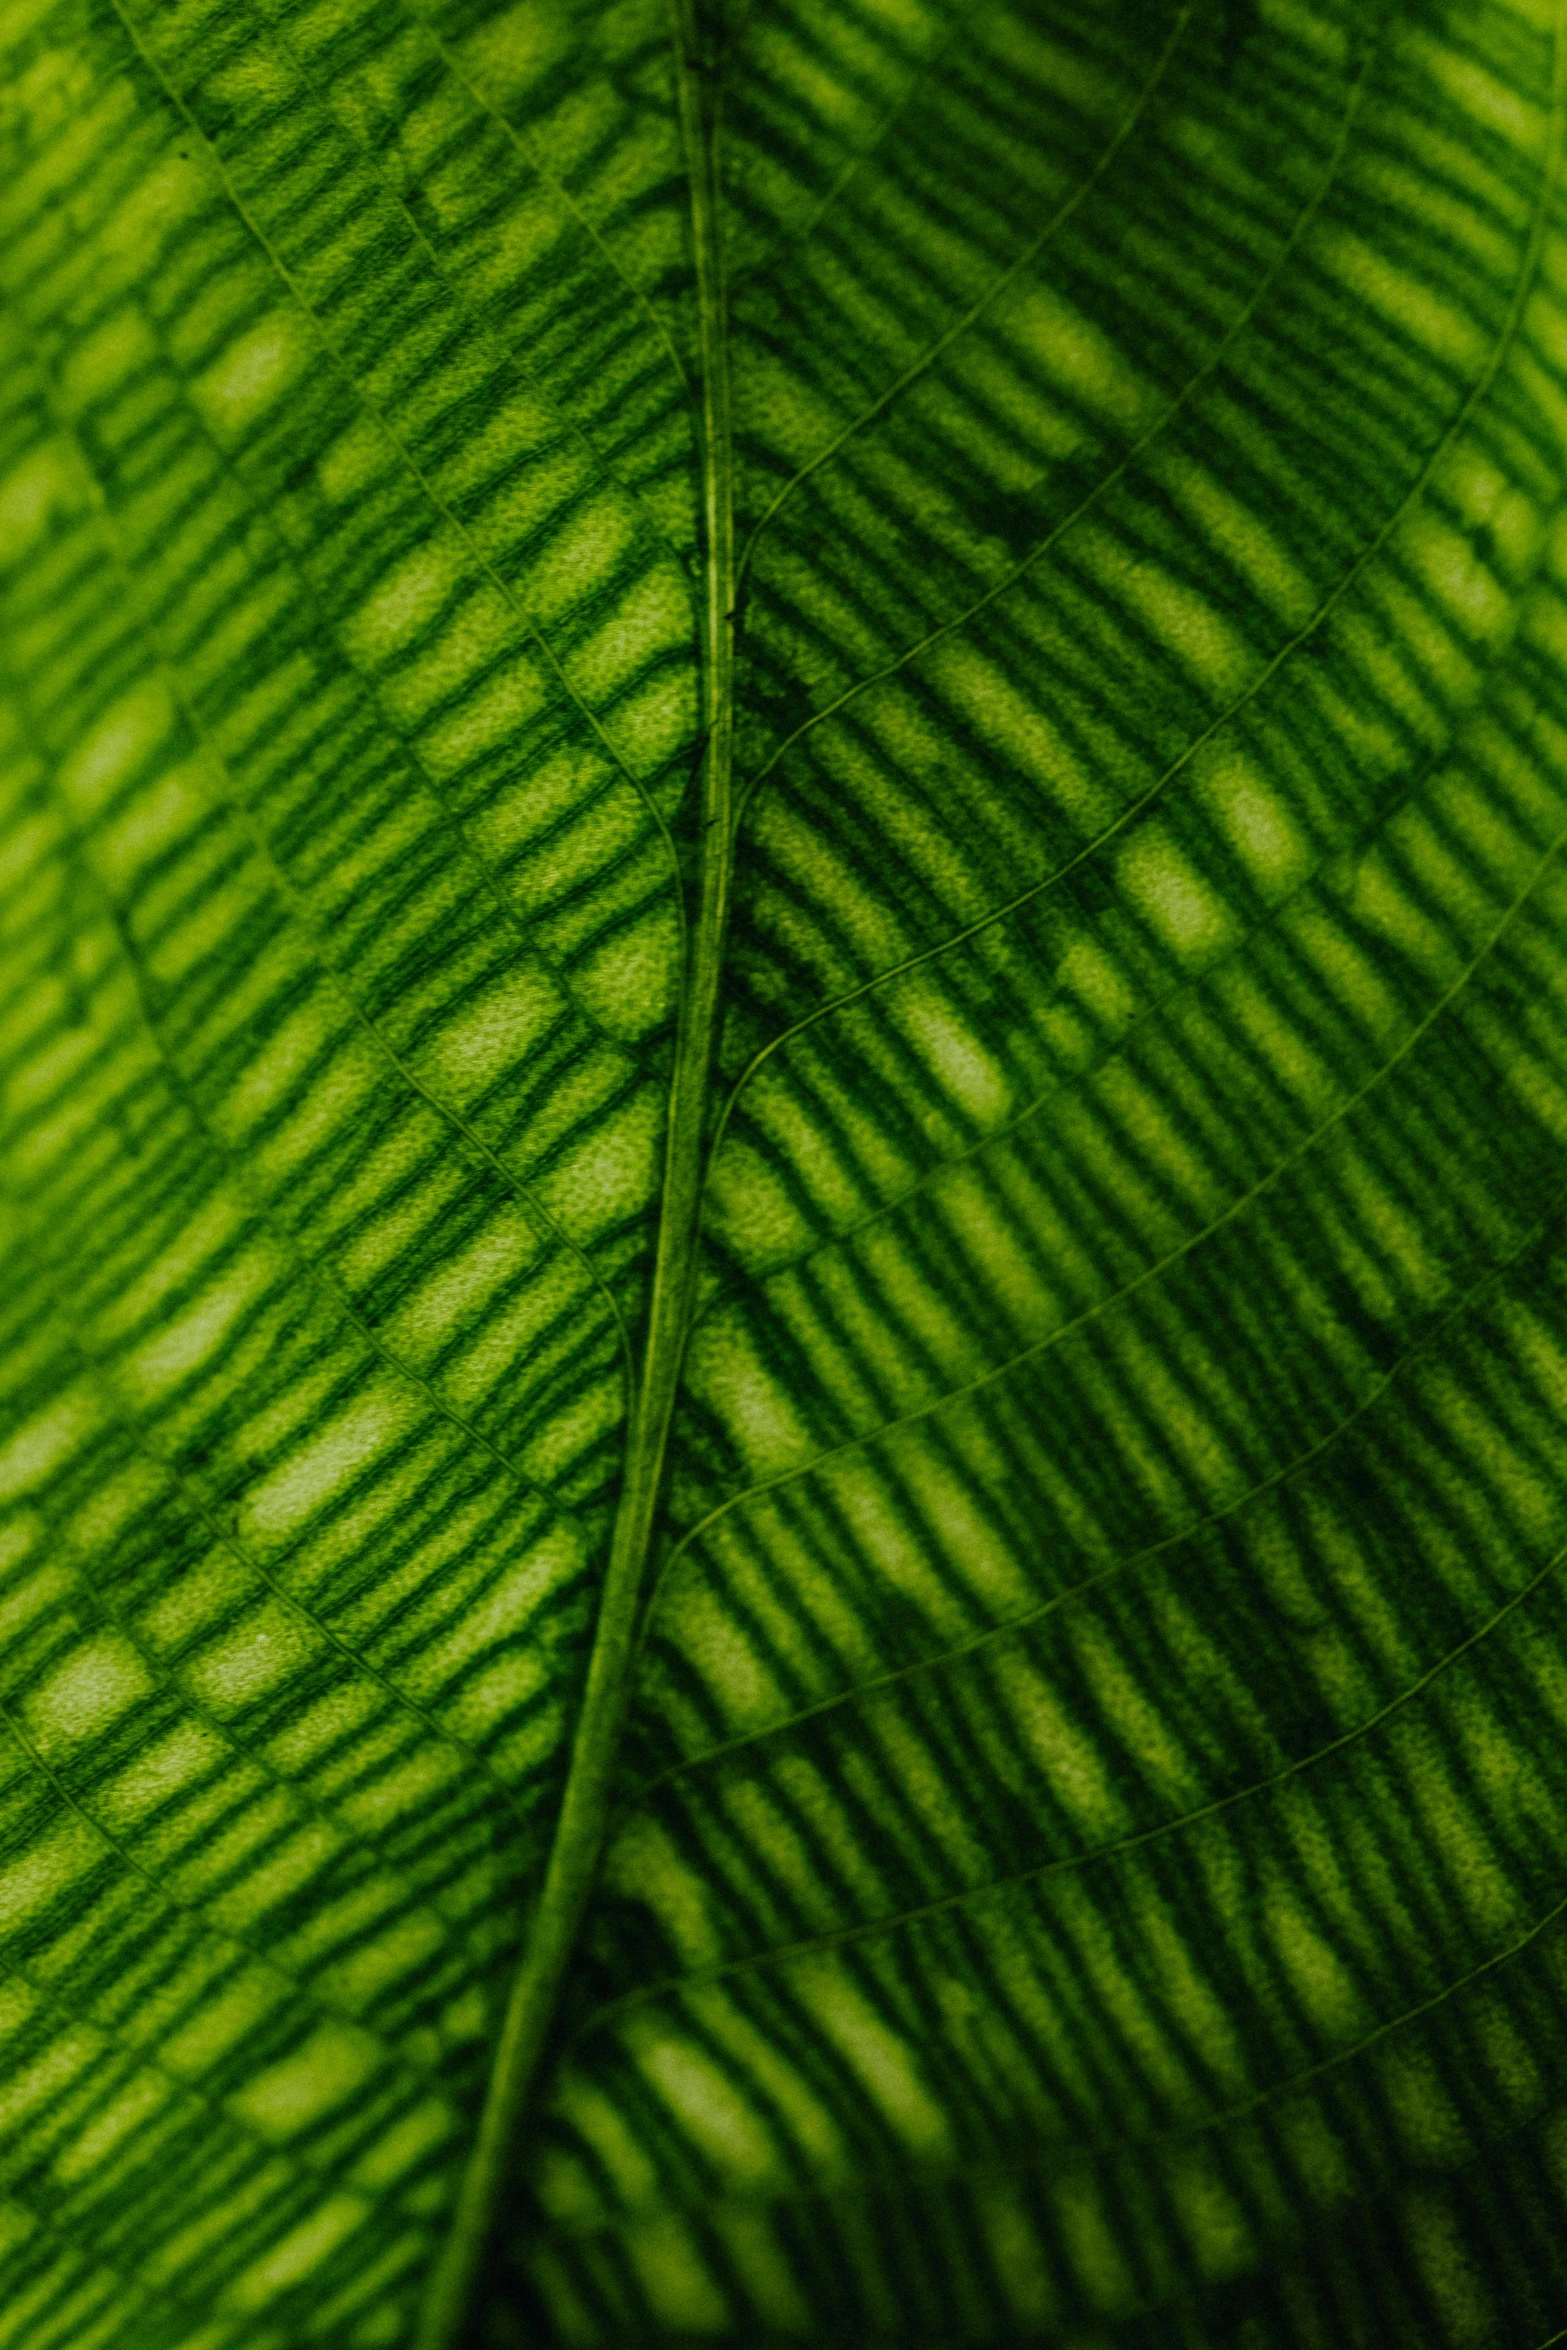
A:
{"x": 783, "y": 1175}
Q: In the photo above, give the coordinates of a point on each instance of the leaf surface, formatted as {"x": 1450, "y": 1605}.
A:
{"x": 784, "y": 1087}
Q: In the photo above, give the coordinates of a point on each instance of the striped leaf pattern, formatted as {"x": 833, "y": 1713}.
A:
{"x": 801, "y": 767}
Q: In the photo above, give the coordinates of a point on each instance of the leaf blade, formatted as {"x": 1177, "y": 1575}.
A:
{"x": 1074, "y": 1868}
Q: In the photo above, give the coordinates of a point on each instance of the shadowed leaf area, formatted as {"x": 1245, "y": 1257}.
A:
{"x": 1064, "y": 1415}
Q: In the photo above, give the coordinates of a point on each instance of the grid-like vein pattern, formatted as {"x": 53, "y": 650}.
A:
{"x": 348, "y": 699}
{"x": 1085, "y": 1869}
{"x": 1085, "y": 1863}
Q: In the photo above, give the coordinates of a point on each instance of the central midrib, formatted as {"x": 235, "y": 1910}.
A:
{"x": 580, "y": 1827}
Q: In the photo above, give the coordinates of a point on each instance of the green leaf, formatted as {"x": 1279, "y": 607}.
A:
{"x": 785, "y": 1070}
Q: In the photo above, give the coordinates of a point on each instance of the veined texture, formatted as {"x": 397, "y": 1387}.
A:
{"x": 1082, "y": 1818}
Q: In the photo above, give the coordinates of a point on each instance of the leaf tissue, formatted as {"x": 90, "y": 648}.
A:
{"x": 783, "y": 968}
